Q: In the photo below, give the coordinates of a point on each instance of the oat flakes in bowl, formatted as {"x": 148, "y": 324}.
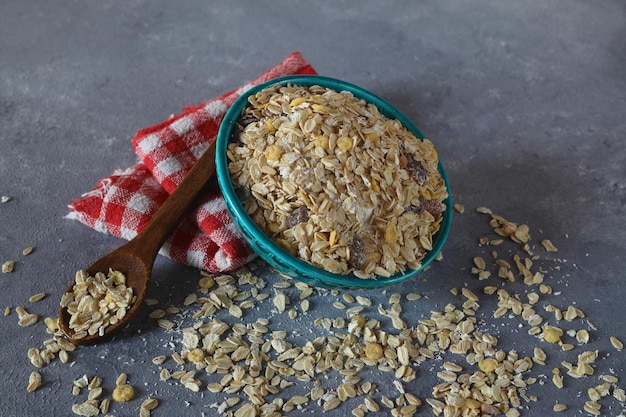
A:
{"x": 331, "y": 184}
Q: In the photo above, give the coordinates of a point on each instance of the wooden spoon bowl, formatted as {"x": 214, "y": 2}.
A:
{"x": 136, "y": 258}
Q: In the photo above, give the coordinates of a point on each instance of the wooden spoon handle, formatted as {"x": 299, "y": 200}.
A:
{"x": 148, "y": 242}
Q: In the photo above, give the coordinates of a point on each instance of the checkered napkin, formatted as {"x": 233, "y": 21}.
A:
{"x": 123, "y": 203}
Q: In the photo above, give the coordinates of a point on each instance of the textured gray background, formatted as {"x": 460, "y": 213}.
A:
{"x": 525, "y": 101}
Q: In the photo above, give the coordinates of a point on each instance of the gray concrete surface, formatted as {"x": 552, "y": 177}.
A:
{"x": 525, "y": 101}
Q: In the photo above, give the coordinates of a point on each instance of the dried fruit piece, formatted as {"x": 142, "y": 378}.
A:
{"x": 357, "y": 252}
{"x": 298, "y": 215}
{"x": 415, "y": 169}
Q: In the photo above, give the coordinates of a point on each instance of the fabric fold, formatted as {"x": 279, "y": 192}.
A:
{"x": 124, "y": 202}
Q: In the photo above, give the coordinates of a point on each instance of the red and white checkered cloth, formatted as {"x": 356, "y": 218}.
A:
{"x": 123, "y": 203}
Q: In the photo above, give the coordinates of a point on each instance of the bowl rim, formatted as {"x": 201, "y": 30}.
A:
{"x": 312, "y": 274}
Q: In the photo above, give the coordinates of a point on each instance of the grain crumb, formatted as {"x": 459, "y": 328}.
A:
{"x": 8, "y": 266}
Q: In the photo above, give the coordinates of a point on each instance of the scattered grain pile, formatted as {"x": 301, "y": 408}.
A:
{"x": 234, "y": 347}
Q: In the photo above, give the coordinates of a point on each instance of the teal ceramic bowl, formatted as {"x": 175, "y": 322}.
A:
{"x": 273, "y": 254}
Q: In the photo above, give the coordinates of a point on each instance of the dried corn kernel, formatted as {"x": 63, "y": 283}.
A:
{"x": 273, "y": 153}
{"x": 123, "y": 393}
{"x": 373, "y": 351}
{"x": 488, "y": 365}
{"x": 552, "y": 334}
{"x": 196, "y": 355}
{"x": 344, "y": 143}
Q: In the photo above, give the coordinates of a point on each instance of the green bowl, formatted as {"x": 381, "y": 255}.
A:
{"x": 263, "y": 245}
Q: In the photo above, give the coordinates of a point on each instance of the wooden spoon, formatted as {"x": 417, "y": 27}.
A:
{"x": 136, "y": 257}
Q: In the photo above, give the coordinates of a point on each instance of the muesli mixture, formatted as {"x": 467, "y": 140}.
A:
{"x": 336, "y": 183}
{"x": 97, "y": 302}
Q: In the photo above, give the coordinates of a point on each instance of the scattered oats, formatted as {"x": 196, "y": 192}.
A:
{"x": 34, "y": 381}
{"x": 370, "y": 404}
{"x": 387, "y": 402}
{"x": 121, "y": 379}
{"x": 105, "y": 405}
{"x": 359, "y": 411}
{"x": 512, "y": 412}
{"x": 172, "y": 310}
{"x": 533, "y": 298}
{"x": 27, "y": 319}
{"x": 157, "y": 314}
{"x": 483, "y": 210}
{"x": 364, "y": 301}
{"x": 166, "y": 324}
{"x": 559, "y": 407}
{"x": 280, "y": 301}
{"x": 95, "y": 382}
{"x": 150, "y": 301}
{"x": 610, "y": 378}
{"x": 548, "y": 246}
{"x": 459, "y": 208}
{"x": 469, "y": 294}
{"x": 616, "y": 343}
{"x": 95, "y": 393}
{"x": 339, "y": 306}
{"x": 149, "y": 404}
{"x": 479, "y": 262}
{"x": 557, "y": 379}
{"x": 178, "y": 359}
{"x": 593, "y": 408}
{"x": 304, "y": 306}
{"x": 8, "y": 266}
{"x": 235, "y": 311}
{"x": 348, "y": 298}
{"x": 190, "y": 299}
{"x": 331, "y": 404}
{"x": 413, "y": 296}
{"x": 158, "y": 360}
{"x": 545, "y": 289}
{"x": 28, "y": 250}
{"x": 37, "y": 297}
{"x": 87, "y": 409}
{"x": 7, "y": 310}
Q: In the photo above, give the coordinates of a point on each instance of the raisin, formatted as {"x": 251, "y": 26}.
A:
{"x": 259, "y": 218}
{"x": 432, "y": 206}
{"x": 244, "y": 194}
{"x": 246, "y": 120}
{"x": 357, "y": 252}
{"x": 297, "y": 216}
{"x": 241, "y": 124}
{"x": 415, "y": 209}
{"x": 415, "y": 169}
